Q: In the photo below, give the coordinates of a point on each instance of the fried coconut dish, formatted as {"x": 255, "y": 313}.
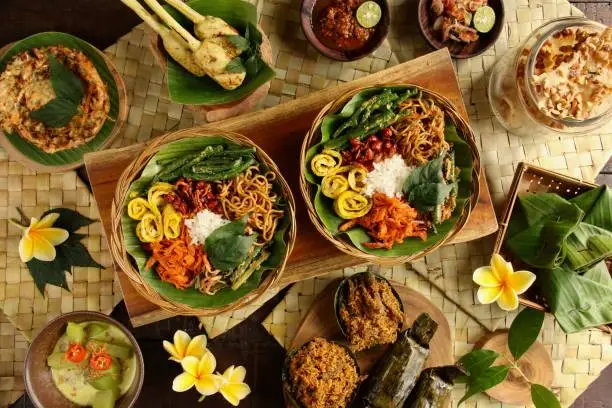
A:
{"x": 323, "y": 375}
{"x": 25, "y": 86}
{"x": 370, "y": 312}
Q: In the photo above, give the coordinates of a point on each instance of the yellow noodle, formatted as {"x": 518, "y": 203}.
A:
{"x": 420, "y": 134}
{"x": 251, "y": 193}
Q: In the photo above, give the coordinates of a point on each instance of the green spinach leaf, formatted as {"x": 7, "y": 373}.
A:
{"x": 228, "y": 246}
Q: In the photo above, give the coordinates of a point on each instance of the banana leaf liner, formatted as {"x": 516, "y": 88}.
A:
{"x": 68, "y": 159}
{"x": 287, "y": 382}
{"x": 187, "y": 89}
{"x": 128, "y": 252}
{"x": 530, "y": 179}
{"x": 320, "y": 209}
{"x": 340, "y": 299}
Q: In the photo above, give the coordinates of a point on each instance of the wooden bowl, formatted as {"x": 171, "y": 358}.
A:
{"x": 212, "y": 113}
{"x": 310, "y": 11}
{"x": 37, "y": 376}
{"x": 125, "y": 260}
{"x": 459, "y": 49}
{"x": 17, "y": 155}
{"x": 343, "y": 243}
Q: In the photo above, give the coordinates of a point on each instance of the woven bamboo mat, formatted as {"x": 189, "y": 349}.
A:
{"x": 577, "y": 358}
{"x": 299, "y": 71}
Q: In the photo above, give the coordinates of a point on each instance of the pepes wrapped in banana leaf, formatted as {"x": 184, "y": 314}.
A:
{"x": 434, "y": 387}
{"x": 396, "y": 373}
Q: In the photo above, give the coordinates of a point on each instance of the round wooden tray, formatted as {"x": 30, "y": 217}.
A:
{"x": 15, "y": 154}
{"x": 535, "y": 364}
{"x": 212, "y": 113}
{"x": 320, "y": 321}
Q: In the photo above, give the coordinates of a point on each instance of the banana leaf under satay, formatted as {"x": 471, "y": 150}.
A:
{"x": 396, "y": 373}
{"x": 434, "y": 387}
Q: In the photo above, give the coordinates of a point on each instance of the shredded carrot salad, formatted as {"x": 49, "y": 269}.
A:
{"x": 390, "y": 221}
{"x": 178, "y": 261}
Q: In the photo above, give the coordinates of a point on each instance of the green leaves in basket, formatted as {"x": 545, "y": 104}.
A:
{"x": 568, "y": 242}
{"x": 68, "y": 156}
{"x": 192, "y": 297}
{"x": 324, "y": 206}
{"x": 228, "y": 246}
{"x": 188, "y": 89}
{"x": 69, "y": 253}
{"x": 69, "y": 92}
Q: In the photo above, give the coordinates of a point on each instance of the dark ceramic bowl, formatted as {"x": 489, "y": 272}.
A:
{"x": 455, "y": 48}
{"x": 37, "y": 376}
{"x": 310, "y": 12}
{"x": 340, "y": 298}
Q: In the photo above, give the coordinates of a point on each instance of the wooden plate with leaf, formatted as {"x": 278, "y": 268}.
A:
{"x": 216, "y": 58}
{"x": 61, "y": 97}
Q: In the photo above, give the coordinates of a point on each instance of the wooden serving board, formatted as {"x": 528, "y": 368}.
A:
{"x": 280, "y": 131}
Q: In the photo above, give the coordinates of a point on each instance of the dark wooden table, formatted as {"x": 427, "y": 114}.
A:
{"x": 101, "y": 22}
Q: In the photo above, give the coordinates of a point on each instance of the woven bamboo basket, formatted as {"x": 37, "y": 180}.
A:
{"x": 344, "y": 244}
{"x": 123, "y": 259}
{"x": 530, "y": 179}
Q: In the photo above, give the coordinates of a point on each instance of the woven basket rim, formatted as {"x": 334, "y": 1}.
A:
{"x": 522, "y": 169}
{"x": 344, "y": 244}
{"x": 124, "y": 260}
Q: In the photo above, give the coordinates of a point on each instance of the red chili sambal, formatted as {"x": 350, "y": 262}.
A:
{"x": 338, "y": 28}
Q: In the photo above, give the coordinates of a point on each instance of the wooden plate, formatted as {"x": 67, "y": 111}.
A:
{"x": 17, "y": 155}
{"x": 212, "y": 113}
{"x": 535, "y": 364}
{"x": 320, "y": 321}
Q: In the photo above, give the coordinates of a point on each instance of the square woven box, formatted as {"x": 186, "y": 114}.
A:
{"x": 530, "y": 179}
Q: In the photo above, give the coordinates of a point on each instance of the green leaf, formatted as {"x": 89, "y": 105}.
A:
{"x": 192, "y": 297}
{"x": 235, "y": 65}
{"x": 185, "y": 88}
{"x": 56, "y": 113}
{"x": 69, "y": 220}
{"x": 488, "y": 378}
{"x": 70, "y": 155}
{"x": 431, "y": 172}
{"x": 52, "y": 273}
{"x": 252, "y": 65}
{"x": 524, "y": 331}
{"x": 542, "y": 397}
{"x": 227, "y": 246}
{"x": 427, "y": 196}
{"x": 241, "y": 43}
{"x": 69, "y": 92}
{"x": 477, "y": 361}
{"x": 542, "y": 244}
{"x": 577, "y": 302}
{"x": 587, "y": 245}
{"x": 596, "y": 205}
{"x": 75, "y": 253}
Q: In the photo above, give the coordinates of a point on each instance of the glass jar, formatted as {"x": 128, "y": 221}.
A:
{"x": 527, "y": 104}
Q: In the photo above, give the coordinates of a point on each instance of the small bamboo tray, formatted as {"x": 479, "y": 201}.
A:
{"x": 344, "y": 244}
{"x": 530, "y": 179}
{"x": 123, "y": 259}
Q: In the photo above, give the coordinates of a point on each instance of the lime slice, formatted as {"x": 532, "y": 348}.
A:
{"x": 484, "y": 19}
{"x": 369, "y": 14}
